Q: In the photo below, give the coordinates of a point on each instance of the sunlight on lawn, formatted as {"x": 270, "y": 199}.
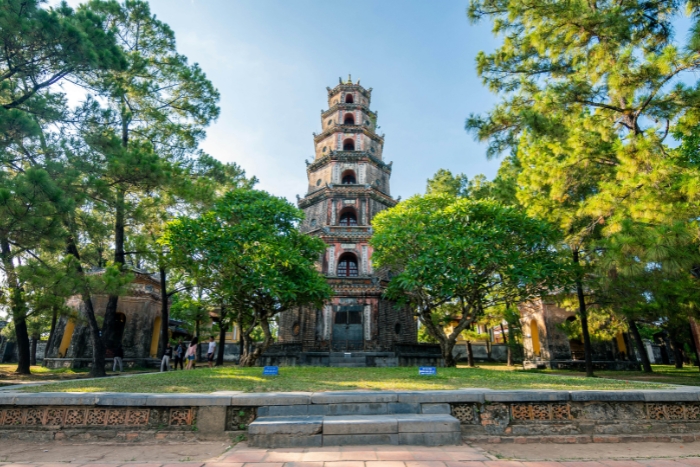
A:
{"x": 334, "y": 379}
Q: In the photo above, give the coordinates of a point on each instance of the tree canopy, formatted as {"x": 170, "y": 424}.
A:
{"x": 473, "y": 255}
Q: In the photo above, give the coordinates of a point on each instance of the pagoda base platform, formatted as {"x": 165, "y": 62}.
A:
{"x": 403, "y": 355}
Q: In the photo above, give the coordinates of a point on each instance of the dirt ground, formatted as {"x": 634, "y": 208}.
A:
{"x": 217, "y": 451}
{"x": 597, "y": 451}
{"x": 109, "y": 453}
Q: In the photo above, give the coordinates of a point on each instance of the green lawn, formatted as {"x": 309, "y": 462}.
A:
{"x": 338, "y": 379}
{"x": 39, "y": 374}
{"x": 687, "y": 376}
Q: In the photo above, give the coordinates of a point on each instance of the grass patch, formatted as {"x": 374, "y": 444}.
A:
{"x": 205, "y": 380}
{"x": 669, "y": 374}
{"x": 40, "y": 373}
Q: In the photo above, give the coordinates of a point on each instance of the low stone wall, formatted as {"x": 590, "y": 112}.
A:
{"x": 484, "y": 415}
{"x": 56, "y": 363}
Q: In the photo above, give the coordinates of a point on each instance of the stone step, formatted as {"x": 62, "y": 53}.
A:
{"x": 349, "y": 365}
{"x": 347, "y": 360}
{"x": 339, "y": 430}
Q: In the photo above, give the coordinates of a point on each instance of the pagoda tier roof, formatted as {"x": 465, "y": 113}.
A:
{"x": 334, "y": 233}
{"x": 346, "y": 106}
{"x": 348, "y": 85}
{"x": 333, "y": 190}
{"x": 338, "y": 128}
{"x": 364, "y": 285}
{"x": 348, "y": 156}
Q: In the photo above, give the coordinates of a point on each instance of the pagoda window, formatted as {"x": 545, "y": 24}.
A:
{"x": 348, "y": 178}
{"x": 349, "y": 119}
{"x": 347, "y": 265}
{"x": 349, "y": 99}
{"x": 348, "y": 219}
{"x": 349, "y": 145}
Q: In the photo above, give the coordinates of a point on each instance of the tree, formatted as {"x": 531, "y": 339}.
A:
{"x": 249, "y": 256}
{"x": 41, "y": 48}
{"x": 443, "y": 182}
{"x": 154, "y": 114}
{"x": 589, "y": 93}
{"x": 473, "y": 255}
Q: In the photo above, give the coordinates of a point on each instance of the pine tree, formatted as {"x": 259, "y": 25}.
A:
{"x": 590, "y": 92}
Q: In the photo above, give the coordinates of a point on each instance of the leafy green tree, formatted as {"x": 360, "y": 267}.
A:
{"x": 590, "y": 92}
{"x": 473, "y": 255}
{"x": 249, "y": 256}
{"x": 41, "y": 48}
{"x": 444, "y": 183}
{"x": 145, "y": 127}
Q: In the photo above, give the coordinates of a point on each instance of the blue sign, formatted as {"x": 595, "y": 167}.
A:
{"x": 427, "y": 371}
{"x": 271, "y": 371}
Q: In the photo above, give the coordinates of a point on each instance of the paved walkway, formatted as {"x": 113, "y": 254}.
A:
{"x": 176, "y": 455}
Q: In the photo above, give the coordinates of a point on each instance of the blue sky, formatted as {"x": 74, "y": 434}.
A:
{"x": 272, "y": 60}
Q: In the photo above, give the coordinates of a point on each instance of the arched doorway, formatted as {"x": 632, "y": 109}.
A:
{"x": 347, "y": 329}
{"x": 349, "y": 144}
{"x": 349, "y": 99}
{"x": 349, "y": 119}
{"x": 347, "y": 265}
{"x": 535, "y": 337}
{"x": 348, "y": 218}
{"x": 348, "y": 178}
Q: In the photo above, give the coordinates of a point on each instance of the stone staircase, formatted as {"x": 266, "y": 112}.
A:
{"x": 361, "y": 359}
{"x": 338, "y": 423}
{"x": 348, "y": 359}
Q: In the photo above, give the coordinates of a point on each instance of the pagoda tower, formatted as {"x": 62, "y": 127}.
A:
{"x": 348, "y": 185}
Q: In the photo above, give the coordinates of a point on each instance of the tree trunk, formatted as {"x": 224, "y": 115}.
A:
{"x": 251, "y": 358}
{"x": 677, "y": 353}
{"x": 110, "y": 318}
{"x": 32, "y": 355}
{"x": 198, "y": 350}
{"x": 583, "y": 313}
{"x": 693, "y": 346}
{"x": 470, "y": 355}
{"x": 222, "y": 341}
{"x": 509, "y": 355}
{"x": 646, "y": 364}
{"x": 164, "y": 315}
{"x": 98, "y": 346}
{"x": 18, "y": 309}
{"x": 52, "y": 331}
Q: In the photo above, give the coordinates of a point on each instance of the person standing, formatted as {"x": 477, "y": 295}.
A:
{"x": 210, "y": 351}
{"x": 118, "y": 356}
{"x": 179, "y": 354}
{"x": 191, "y": 351}
{"x": 165, "y": 363}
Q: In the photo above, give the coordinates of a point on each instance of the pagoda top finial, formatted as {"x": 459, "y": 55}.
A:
{"x": 349, "y": 80}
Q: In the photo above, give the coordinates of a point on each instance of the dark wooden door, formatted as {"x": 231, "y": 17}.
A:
{"x": 347, "y": 329}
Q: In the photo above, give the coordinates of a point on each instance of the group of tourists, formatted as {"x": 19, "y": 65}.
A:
{"x": 177, "y": 355}
{"x": 180, "y": 353}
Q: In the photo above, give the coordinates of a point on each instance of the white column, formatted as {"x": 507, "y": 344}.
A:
{"x": 368, "y": 322}
{"x": 367, "y": 259}
{"x": 327, "y": 315}
{"x": 363, "y": 265}
{"x": 331, "y": 260}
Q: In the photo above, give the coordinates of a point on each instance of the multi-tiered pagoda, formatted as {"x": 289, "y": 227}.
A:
{"x": 348, "y": 186}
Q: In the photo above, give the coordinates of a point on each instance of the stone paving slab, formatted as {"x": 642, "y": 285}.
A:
{"x": 271, "y": 398}
{"x": 360, "y": 425}
{"x": 344, "y": 397}
{"x": 458, "y": 395}
{"x": 526, "y": 396}
{"x": 298, "y": 426}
